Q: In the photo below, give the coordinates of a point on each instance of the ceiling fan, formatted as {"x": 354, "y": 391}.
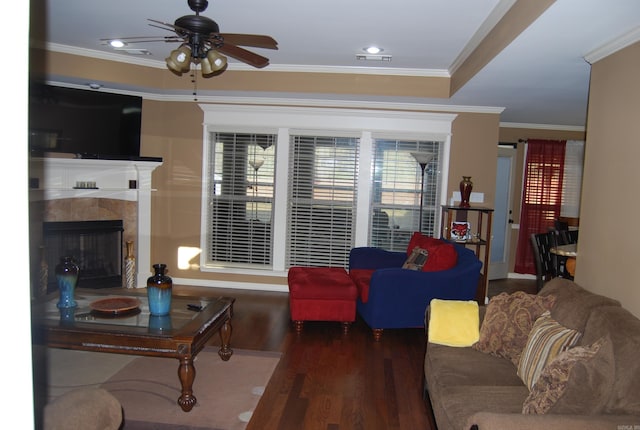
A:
{"x": 203, "y": 44}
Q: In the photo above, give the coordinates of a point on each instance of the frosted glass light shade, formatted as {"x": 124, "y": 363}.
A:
{"x": 212, "y": 62}
{"x": 423, "y": 158}
{"x": 179, "y": 60}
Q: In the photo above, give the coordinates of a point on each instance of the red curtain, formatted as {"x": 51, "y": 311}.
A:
{"x": 541, "y": 196}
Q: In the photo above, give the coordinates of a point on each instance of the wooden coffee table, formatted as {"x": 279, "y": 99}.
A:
{"x": 119, "y": 329}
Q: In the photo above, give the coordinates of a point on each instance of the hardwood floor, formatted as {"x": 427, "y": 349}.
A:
{"x": 329, "y": 380}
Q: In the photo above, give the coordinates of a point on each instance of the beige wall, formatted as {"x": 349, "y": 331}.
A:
{"x": 608, "y": 258}
{"x": 173, "y": 131}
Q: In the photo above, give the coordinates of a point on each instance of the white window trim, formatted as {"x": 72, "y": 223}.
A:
{"x": 283, "y": 120}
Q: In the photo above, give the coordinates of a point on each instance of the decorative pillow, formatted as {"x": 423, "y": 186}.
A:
{"x": 508, "y": 321}
{"x": 454, "y": 322}
{"x": 547, "y": 339}
{"x": 421, "y": 241}
{"x": 578, "y": 381}
{"x": 417, "y": 259}
{"x": 442, "y": 254}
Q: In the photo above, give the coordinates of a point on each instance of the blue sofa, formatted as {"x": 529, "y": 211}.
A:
{"x": 397, "y": 297}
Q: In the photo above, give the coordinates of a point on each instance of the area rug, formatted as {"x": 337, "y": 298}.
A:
{"x": 227, "y": 391}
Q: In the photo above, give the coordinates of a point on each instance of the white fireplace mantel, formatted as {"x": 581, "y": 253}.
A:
{"x": 61, "y": 178}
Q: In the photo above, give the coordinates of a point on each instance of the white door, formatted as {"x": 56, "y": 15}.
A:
{"x": 501, "y": 228}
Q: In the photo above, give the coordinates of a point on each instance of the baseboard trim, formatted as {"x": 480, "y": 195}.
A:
{"x": 206, "y": 283}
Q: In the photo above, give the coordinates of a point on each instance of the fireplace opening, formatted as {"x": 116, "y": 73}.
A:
{"x": 96, "y": 247}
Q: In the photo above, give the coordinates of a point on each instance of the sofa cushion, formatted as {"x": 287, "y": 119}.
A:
{"x": 573, "y": 303}
{"x": 442, "y": 254}
{"x": 623, "y": 328}
{"x": 446, "y": 366}
{"x": 454, "y": 323}
{"x": 508, "y": 321}
{"x": 578, "y": 381}
{"x": 456, "y": 404}
{"x": 362, "y": 278}
{"x": 547, "y": 339}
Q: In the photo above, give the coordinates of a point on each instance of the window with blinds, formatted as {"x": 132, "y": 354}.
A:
{"x": 321, "y": 200}
{"x": 572, "y": 178}
{"x": 241, "y": 190}
{"x": 543, "y": 188}
{"x": 395, "y": 200}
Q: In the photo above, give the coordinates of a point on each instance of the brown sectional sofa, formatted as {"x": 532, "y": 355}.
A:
{"x": 470, "y": 389}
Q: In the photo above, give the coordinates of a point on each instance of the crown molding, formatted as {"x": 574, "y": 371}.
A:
{"x": 290, "y": 68}
{"x": 577, "y": 128}
{"x": 350, "y": 104}
{"x": 494, "y": 17}
{"x": 613, "y": 46}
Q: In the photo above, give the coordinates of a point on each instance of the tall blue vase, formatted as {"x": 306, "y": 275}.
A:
{"x": 159, "y": 288}
{"x": 67, "y": 278}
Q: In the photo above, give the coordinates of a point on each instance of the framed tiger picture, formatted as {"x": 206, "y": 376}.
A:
{"x": 460, "y": 231}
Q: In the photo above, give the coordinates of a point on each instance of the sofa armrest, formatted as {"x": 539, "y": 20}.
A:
{"x": 375, "y": 258}
{"x": 397, "y": 297}
{"x": 498, "y": 421}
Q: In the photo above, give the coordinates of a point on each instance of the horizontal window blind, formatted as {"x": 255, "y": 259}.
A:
{"x": 240, "y": 195}
{"x": 395, "y": 200}
{"x": 321, "y": 200}
{"x": 572, "y": 179}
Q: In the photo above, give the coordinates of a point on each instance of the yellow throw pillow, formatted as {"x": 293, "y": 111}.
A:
{"x": 454, "y": 322}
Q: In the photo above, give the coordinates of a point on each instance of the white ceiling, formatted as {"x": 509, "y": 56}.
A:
{"x": 542, "y": 77}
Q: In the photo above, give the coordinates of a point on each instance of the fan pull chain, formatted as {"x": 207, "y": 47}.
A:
{"x": 194, "y": 80}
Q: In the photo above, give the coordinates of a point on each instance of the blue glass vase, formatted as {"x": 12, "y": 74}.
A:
{"x": 159, "y": 291}
{"x": 67, "y": 278}
{"x": 159, "y": 324}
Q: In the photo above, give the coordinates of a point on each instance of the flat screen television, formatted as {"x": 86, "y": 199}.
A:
{"x": 87, "y": 123}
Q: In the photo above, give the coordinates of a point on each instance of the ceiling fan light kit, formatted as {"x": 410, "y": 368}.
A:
{"x": 202, "y": 43}
{"x": 179, "y": 60}
{"x": 212, "y": 63}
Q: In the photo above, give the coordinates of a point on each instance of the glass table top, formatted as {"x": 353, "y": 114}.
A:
{"x": 183, "y": 311}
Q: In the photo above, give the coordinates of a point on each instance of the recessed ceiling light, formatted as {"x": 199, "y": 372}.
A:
{"x": 117, "y": 43}
{"x": 373, "y": 50}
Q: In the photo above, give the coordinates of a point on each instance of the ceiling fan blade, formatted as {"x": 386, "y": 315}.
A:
{"x": 143, "y": 39}
{"x": 243, "y": 55}
{"x": 167, "y": 26}
{"x": 164, "y": 25}
{"x": 255, "y": 40}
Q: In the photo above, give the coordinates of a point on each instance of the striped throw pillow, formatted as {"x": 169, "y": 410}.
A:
{"x": 547, "y": 339}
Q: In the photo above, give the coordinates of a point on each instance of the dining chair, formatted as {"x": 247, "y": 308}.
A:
{"x": 565, "y": 234}
{"x": 545, "y": 261}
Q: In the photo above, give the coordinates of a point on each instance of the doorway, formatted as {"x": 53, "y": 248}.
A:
{"x": 502, "y": 221}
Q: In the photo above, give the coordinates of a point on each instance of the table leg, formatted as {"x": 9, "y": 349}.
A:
{"x": 187, "y": 374}
{"x": 225, "y": 338}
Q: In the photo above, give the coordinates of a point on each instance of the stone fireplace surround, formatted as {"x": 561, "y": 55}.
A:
{"x": 53, "y": 197}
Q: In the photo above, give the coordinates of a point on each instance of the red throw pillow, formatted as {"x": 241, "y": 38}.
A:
{"x": 442, "y": 255}
{"x": 421, "y": 241}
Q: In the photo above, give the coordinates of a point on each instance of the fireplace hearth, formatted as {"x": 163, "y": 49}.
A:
{"x": 96, "y": 247}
